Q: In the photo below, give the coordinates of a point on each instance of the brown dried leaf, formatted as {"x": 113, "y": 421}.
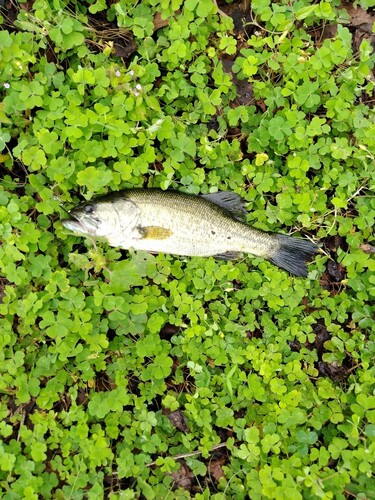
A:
{"x": 159, "y": 22}
{"x": 216, "y": 469}
{"x": 178, "y": 420}
{"x": 183, "y": 477}
{"x": 366, "y": 248}
{"x": 358, "y": 16}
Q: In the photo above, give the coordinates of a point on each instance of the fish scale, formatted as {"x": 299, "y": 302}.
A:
{"x": 199, "y": 227}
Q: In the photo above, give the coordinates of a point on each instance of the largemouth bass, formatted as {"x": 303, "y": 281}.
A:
{"x": 184, "y": 224}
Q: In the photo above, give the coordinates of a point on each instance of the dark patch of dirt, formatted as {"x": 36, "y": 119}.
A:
{"x": 81, "y": 397}
{"x": 103, "y": 382}
{"x": 256, "y": 334}
{"x": 335, "y": 273}
{"x": 104, "y": 32}
{"x": 64, "y": 404}
{"x": 18, "y": 416}
{"x": 133, "y": 386}
{"x": 9, "y": 11}
{"x": 324, "y": 32}
{"x": 321, "y": 336}
{"x": 332, "y": 370}
{"x": 179, "y": 380}
{"x": 245, "y": 95}
{"x": 115, "y": 485}
{"x": 333, "y": 243}
{"x": 240, "y": 12}
{"x": 295, "y": 345}
{"x": 3, "y": 283}
{"x": 168, "y": 331}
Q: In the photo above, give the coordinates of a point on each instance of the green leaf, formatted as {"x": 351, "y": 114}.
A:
{"x": 124, "y": 275}
{"x": 205, "y": 8}
{"x": 304, "y": 12}
{"x": 94, "y": 179}
{"x": 98, "y": 6}
{"x": 306, "y": 95}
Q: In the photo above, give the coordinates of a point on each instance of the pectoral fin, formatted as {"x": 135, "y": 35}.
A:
{"x": 154, "y": 232}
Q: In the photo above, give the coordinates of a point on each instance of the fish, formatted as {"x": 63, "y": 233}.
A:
{"x": 177, "y": 223}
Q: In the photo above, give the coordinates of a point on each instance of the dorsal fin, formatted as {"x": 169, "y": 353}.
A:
{"x": 231, "y": 202}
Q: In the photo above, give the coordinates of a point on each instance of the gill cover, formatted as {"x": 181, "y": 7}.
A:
{"x": 106, "y": 217}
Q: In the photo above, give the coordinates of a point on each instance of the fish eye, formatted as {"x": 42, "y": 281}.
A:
{"x": 89, "y": 209}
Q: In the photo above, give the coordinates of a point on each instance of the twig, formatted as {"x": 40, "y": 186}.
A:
{"x": 219, "y": 11}
{"x": 191, "y": 453}
{"x": 354, "y": 367}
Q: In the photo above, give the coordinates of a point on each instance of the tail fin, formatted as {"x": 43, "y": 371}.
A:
{"x": 293, "y": 253}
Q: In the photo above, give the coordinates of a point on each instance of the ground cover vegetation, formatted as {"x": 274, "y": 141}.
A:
{"x": 128, "y": 375}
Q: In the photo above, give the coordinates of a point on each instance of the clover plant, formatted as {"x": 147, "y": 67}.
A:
{"x": 126, "y": 375}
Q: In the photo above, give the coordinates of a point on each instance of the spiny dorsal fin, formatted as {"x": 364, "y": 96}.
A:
{"x": 231, "y": 202}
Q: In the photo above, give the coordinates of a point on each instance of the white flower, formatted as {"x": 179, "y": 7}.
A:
{"x": 7, "y": 85}
{"x": 117, "y": 73}
{"x": 136, "y": 93}
{"x": 155, "y": 126}
{"x": 131, "y": 73}
{"x": 138, "y": 86}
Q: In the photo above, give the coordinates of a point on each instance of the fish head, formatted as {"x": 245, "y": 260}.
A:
{"x": 92, "y": 219}
{"x": 85, "y": 219}
{"x": 106, "y": 217}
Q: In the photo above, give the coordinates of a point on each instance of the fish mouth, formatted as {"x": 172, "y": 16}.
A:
{"x": 79, "y": 225}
